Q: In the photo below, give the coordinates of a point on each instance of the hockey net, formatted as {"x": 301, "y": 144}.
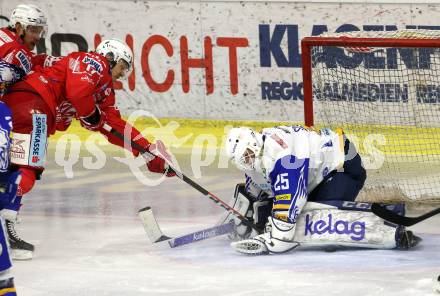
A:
{"x": 383, "y": 89}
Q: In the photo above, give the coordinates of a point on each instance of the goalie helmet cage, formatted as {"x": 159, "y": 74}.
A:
{"x": 383, "y": 89}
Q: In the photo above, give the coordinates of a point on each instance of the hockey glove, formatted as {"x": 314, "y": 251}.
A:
{"x": 95, "y": 121}
{"x": 159, "y": 163}
{"x": 256, "y": 211}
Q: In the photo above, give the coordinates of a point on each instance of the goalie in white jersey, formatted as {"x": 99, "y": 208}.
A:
{"x": 294, "y": 165}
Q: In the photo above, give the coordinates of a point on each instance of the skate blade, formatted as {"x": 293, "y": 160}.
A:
{"x": 21, "y": 255}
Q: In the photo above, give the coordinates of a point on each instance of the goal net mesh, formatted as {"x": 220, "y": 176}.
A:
{"x": 387, "y": 100}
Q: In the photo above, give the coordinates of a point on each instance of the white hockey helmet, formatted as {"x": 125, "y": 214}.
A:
{"x": 242, "y": 143}
{"x": 29, "y": 15}
{"x": 115, "y": 50}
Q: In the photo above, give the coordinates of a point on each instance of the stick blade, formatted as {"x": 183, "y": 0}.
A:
{"x": 151, "y": 227}
{"x": 392, "y": 217}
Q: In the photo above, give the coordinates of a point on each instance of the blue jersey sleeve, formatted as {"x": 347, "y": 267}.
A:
{"x": 289, "y": 184}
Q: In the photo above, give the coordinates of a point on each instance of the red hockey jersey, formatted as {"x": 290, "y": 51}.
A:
{"x": 72, "y": 88}
{"x": 13, "y": 51}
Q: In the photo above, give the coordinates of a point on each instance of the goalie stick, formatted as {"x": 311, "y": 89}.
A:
{"x": 156, "y": 235}
{"x": 391, "y": 216}
{"x": 184, "y": 178}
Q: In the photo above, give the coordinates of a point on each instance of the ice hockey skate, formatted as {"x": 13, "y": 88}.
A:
{"x": 20, "y": 249}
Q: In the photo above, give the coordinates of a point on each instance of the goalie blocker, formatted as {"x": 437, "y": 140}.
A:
{"x": 327, "y": 223}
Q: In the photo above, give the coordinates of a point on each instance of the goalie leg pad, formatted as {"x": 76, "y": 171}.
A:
{"x": 330, "y": 226}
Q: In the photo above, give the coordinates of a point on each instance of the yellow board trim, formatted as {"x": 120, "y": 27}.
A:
{"x": 171, "y": 130}
{"x": 401, "y": 141}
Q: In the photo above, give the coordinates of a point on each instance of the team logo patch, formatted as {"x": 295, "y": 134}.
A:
{"x": 17, "y": 149}
{"x": 19, "y": 152}
{"x": 24, "y": 61}
{"x": 90, "y": 61}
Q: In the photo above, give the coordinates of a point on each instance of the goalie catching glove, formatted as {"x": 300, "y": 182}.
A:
{"x": 256, "y": 205}
{"x": 255, "y": 209}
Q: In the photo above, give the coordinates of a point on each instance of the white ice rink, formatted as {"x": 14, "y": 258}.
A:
{"x": 89, "y": 241}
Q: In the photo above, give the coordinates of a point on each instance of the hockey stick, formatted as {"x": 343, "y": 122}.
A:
{"x": 201, "y": 235}
{"x": 156, "y": 235}
{"x": 184, "y": 178}
{"x": 151, "y": 227}
{"x": 393, "y": 217}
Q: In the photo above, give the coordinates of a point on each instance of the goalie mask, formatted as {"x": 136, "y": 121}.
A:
{"x": 29, "y": 15}
{"x": 115, "y": 50}
{"x": 243, "y": 147}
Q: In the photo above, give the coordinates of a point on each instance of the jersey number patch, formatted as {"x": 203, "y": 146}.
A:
{"x": 282, "y": 182}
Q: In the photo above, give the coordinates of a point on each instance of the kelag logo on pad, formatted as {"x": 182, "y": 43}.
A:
{"x": 356, "y": 230}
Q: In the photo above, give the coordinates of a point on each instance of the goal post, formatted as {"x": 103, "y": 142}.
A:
{"x": 383, "y": 89}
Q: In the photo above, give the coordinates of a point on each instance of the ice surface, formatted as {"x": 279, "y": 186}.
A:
{"x": 89, "y": 241}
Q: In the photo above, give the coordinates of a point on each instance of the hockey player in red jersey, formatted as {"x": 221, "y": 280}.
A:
{"x": 27, "y": 26}
{"x": 78, "y": 86}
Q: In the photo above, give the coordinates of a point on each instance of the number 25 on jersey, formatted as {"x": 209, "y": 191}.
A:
{"x": 282, "y": 182}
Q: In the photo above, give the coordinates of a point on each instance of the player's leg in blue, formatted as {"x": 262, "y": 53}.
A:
{"x": 345, "y": 184}
{"x": 6, "y": 277}
{"x": 8, "y": 189}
